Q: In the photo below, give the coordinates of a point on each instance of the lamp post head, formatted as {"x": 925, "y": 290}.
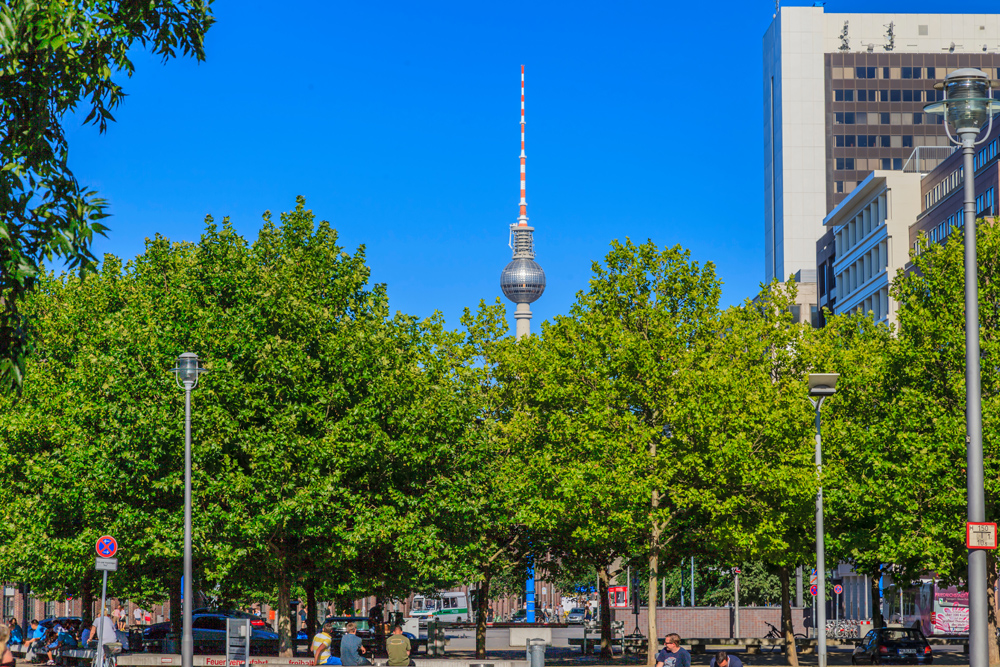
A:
{"x": 822, "y": 385}
{"x": 967, "y": 102}
{"x": 187, "y": 370}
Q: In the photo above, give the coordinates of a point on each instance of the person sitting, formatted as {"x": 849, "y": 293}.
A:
{"x": 34, "y": 643}
{"x": 16, "y": 633}
{"x": 398, "y": 648}
{"x": 320, "y": 646}
{"x": 351, "y": 649}
{"x": 723, "y": 659}
{"x": 51, "y": 644}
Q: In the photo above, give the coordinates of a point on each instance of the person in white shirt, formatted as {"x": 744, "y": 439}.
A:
{"x": 103, "y": 629}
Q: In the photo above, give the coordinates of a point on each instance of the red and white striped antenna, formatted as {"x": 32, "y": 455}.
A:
{"x": 522, "y": 220}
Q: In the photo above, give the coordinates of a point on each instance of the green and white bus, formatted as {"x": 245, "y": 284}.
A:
{"x": 449, "y": 607}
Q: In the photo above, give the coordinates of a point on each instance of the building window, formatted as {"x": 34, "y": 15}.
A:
{"x": 849, "y": 141}
{"x": 897, "y": 163}
{"x": 930, "y": 70}
{"x": 8, "y": 605}
{"x": 50, "y": 609}
{"x": 838, "y": 186}
{"x": 885, "y": 72}
{"x": 883, "y": 118}
{"x": 864, "y": 72}
{"x": 886, "y": 163}
{"x": 908, "y": 141}
{"x": 918, "y": 119}
{"x": 895, "y": 96}
{"x": 883, "y": 140}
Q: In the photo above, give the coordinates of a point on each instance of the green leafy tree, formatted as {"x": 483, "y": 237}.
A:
{"x": 745, "y": 405}
{"x": 595, "y": 398}
{"x": 56, "y": 56}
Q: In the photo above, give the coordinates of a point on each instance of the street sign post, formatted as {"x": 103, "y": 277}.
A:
{"x": 106, "y": 547}
{"x": 106, "y": 564}
{"x": 814, "y": 590}
{"x": 980, "y": 535}
{"x": 837, "y": 590}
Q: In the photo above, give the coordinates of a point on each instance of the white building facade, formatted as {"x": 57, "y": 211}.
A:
{"x": 843, "y": 96}
{"x": 871, "y": 231}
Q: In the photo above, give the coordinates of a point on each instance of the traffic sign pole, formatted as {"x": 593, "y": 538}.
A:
{"x": 106, "y": 547}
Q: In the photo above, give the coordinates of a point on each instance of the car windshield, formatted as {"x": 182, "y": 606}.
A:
{"x": 425, "y": 605}
{"x": 339, "y": 625}
{"x": 578, "y": 610}
{"x": 900, "y": 634}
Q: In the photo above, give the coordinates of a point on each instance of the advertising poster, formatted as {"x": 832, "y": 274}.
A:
{"x": 942, "y": 611}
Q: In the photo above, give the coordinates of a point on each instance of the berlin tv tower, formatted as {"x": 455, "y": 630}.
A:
{"x": 523, "y": 280}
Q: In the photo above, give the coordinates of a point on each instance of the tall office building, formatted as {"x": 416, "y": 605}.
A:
{"x": 844, "y": 96}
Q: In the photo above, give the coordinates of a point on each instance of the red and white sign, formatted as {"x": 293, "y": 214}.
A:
{"x": 980, "y": 535}
{"x": 107, "y": 546}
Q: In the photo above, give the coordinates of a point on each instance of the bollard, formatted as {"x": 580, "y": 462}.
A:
{"x": 432, "y": 638}
{"x": 536, "y": 653}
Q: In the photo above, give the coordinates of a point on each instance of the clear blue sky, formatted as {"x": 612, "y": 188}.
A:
{"x": 399, "y": 124}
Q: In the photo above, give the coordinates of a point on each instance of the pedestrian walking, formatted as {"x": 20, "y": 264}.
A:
{"x": 672, "y": 654}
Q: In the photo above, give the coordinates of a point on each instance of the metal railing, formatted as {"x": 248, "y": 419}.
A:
{"x": 924, "y": 159}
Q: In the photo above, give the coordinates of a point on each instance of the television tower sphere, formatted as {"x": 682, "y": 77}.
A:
{"x": 523, "y": 280}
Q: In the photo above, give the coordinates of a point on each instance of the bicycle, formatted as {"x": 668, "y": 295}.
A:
{"x": 775, "y": 633}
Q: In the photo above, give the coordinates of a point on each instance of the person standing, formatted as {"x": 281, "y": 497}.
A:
{"x": 672, "y": 654}
{"x": 137, "y": 615}
{"x": 352, "y": 650}
{"x": 398, "y": 648}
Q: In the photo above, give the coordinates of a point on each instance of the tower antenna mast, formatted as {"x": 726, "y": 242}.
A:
{"x": 522, "y": 280}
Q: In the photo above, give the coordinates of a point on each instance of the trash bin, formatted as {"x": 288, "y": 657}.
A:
{"x": 536, "y": 652}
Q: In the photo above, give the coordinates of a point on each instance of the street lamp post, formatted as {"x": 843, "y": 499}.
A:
{"x": 186, "y": 373}
{"x": 821, "y": 386}
{"x": 968, "y": 105}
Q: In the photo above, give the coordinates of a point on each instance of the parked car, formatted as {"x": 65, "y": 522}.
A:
{"x": 209, "y": 632}
{"x": 576, "y": 616}
{"x": 519, "y": 616}
{"x": 255, "y": 620}
{"x": 893, "y": 645}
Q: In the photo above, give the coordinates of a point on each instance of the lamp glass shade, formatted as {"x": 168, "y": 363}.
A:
{"x": 967, "y": 104}
{"x": 187, "y": 367}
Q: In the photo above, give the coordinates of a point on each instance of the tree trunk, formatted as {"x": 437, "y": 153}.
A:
{"x": 482, "y": 609}
{"x": 991, "y": 599}
{"x": 87, "y": 599}
{"x": 651, "y": 633}
{"x": 787, "y": 627}
{"x": 877, "y": 621}
{"x": 285, "y": 648}
{"x": 176, "y": 615}
{"x": 311, "y": 620}
{"x": 602, "y": 593}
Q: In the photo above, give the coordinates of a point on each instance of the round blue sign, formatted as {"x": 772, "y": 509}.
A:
{"x": 106, "y": 546}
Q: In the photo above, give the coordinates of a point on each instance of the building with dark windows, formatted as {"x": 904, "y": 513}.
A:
{"x": 843, "y": 97}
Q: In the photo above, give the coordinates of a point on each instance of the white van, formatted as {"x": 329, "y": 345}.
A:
{"x": 449, "y": 607}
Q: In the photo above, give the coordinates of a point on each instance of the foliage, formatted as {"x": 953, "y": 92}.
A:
{"x": 56, "y": 55}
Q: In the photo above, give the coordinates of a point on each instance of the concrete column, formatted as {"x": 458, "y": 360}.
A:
{"x": 522, "y": 315}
